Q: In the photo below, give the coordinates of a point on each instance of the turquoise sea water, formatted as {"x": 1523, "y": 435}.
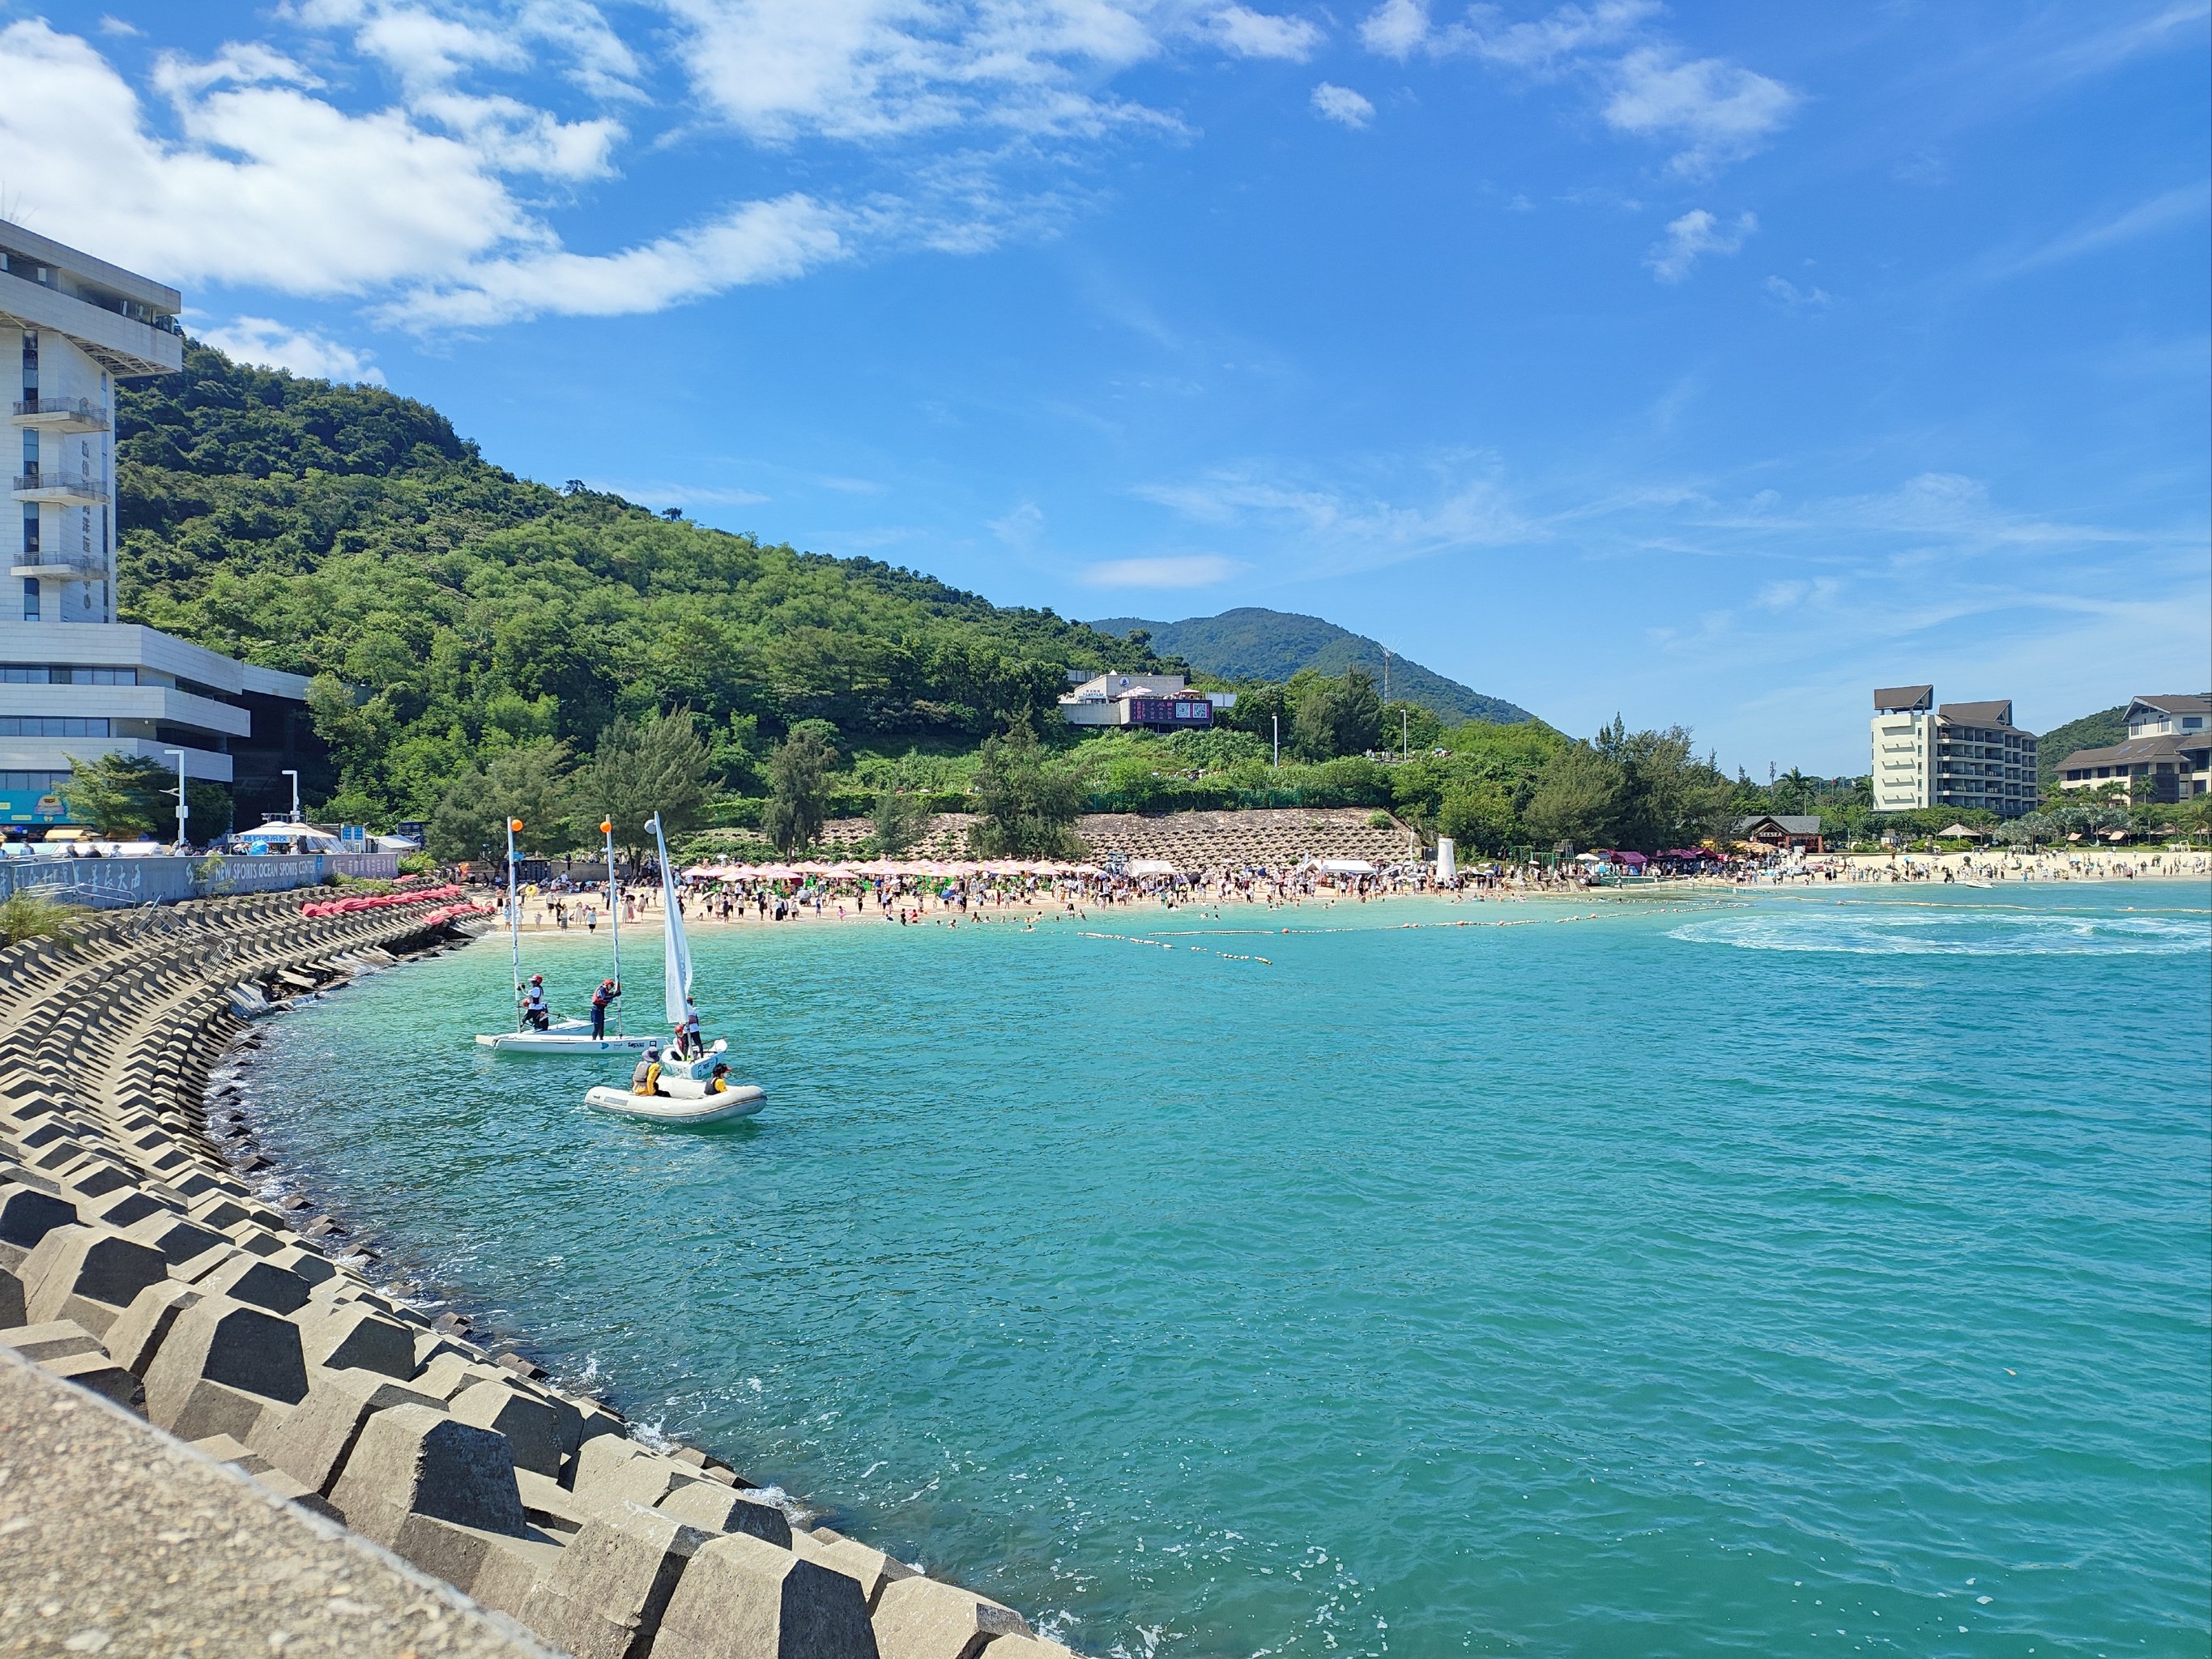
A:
{"x": 1790, "y": 1276}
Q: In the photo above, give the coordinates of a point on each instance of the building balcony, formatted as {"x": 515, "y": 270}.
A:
{"x": 61, "y": 414}
{"x": 53, "y": 490}
{"x": 60, "y": 566}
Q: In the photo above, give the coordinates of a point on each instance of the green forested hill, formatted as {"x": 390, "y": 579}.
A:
{"x": 2099, "y": 731}
{"x": 344, "y": 531}
{"x": 1253, "y": 643}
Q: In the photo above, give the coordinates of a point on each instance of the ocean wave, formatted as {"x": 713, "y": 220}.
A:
{"x": 1876, "y": 931}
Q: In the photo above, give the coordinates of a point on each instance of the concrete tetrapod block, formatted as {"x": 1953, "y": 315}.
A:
{"x": 96, "y": 1371}
{"x": 871, "y": 1567}
{"x": 57, "y": 1338}
{"x": 27, "y": 1215}
{"x": 643, "y": 1481}
{"x": 743, "y": 1598}
{"x": 928, "y": 1618}
{"x": 179, "y": 1240}
{"x": 604, "y": 1597}
{"x": 134, "y": 1338}
{"x": 717, "y": 1508}
{"x": 416, "y": 1459}
{"x": 12, "y": 1310}
{"x": 315, "y": 1441}
{"x": 249, "y": 1278}
{"x": 229, "y": 1346}
{"x": 532, "y": 1426}
{"x": 460, "y": 1555}
{"x": 89, "y": 1275}
{"x": 359, "y": 1338}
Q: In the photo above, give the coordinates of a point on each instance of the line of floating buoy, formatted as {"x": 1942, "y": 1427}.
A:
{"x": 1202, "y": 950}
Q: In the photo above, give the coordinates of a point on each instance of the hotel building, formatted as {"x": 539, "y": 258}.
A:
{"x": 2167, "y": 755}
{"x": 74, "y": 682}
{"x": 1960, "y": 755}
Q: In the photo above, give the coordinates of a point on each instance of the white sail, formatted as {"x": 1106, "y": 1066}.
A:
{"x": 675, "y": 950}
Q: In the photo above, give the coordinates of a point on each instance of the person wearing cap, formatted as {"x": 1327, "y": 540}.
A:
{"x": 533, "y": 1004}
{"x": 721, "y": 1085}
{"x": 607, "y": 993}
{"x": 645, "y": 1078}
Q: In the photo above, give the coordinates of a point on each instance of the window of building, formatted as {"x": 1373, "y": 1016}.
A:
{"x": 30, "y": 452}
{"x": 17, "y": 676}
{"x": 30, "y": 598}
{"x": 51, "y": 725}
{"x": 30, "y": 530}
{"x": 40, "y": 782}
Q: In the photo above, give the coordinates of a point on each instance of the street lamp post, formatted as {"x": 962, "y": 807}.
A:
{"x": 1276, "y": 721}
{"x": 294, "y": 776}
{"x": 183, "y": 809}
{"x": 1404, "y": 738}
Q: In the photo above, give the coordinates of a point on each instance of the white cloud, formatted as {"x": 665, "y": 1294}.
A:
{"x": 1396, "y": 28}
{"x": 1796, "y": 298}
{"x": 1331, "y": 526}
{"x": 117, "y": 25}
{"x": 1689, "y": 237}
{"x": 267, "y": 185}
{"x": 2160, "y": 212}
{"x": 1184, "y": 570}
{"x": 270, "y": 186}
{"x": 1719, "y": 112}
{"x": 1248, "y": 33}
{"x": 758, "y": 242}
{"x": 1342, "y": 104}
{"x": 875, "y": 69}
{"x": 428, "y": 52}
{"x": 273, "y": 344}
{"x": 1020, "y": 526}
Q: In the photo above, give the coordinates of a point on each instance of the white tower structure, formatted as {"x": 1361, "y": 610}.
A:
{"x": 71, "y": 326}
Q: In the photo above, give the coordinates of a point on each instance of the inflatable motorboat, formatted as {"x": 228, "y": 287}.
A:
{"x": 695, "y": 1106}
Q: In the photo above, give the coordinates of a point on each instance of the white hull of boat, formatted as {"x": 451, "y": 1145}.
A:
{"x": 740, "y": 1101}
{"x": 562, "y": 1041}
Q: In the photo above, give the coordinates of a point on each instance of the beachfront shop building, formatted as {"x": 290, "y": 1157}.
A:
{"x": 1153, "y": 702}
{"x": 1960, "y": 755}
{"x": 1782, "y": 832}
{"x": 2167, "y": 755}
{"x": 74, "y": 682}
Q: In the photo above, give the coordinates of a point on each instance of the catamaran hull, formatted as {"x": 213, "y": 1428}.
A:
{"x": 561, "y": 1042}
{"x": 741, "y": 1102}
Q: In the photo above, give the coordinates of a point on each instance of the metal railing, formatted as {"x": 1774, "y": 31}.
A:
{"x": 75, "y": 409}
{"x": 84, "y": 488}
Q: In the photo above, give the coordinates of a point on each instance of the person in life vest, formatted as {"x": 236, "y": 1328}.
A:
{"x": 607, "y": 993}
{"x": 721, "y": 1085}
{"x": 533, "y": 1003}
{"x": 645, "y": 1080}
{"x": 694, "y": 1043}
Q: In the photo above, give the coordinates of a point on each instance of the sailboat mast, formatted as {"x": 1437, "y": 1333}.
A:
{"x": 514, "y": 922}
{"x": 614, "y": 916}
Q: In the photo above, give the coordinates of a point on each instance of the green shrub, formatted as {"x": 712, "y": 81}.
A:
{"x": 28, "y": 914}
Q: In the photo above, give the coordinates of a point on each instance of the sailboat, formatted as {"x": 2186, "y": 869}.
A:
{"x": 572, "y": 1035}
{"x": 688, "y": 1093}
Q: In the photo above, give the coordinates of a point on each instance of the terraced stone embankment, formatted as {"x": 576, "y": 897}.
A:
{"x": 135, "y": 1262}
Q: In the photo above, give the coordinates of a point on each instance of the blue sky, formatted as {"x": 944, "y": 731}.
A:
{"x": 1706, "y": 363}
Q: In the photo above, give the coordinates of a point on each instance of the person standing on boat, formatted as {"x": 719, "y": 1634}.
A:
{"x": 694, "y": 1043}
{"x": 607, "y": 993}
{"x": 533, "y": 1004}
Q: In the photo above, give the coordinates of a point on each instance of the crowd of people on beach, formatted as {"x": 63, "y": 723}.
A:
{"x": 951, "y": 893}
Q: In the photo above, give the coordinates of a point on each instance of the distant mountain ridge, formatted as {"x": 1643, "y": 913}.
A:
{"x": 1253, "y": 643}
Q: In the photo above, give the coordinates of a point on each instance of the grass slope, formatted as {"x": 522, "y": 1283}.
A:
{"x": 1253, "y": 643}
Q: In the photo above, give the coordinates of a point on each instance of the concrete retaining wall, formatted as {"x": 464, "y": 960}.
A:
{"x": 108, "y": 882}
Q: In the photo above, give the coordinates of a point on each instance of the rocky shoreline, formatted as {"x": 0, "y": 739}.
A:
{"x": 139, "y": 1259}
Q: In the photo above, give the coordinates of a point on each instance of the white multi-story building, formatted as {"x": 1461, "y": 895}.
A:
{"x": 1161, "y": 702}
{"x": 74, "y": 682}
{"x": 1958, "y": 755}
{"x": 2167, "y": 755}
